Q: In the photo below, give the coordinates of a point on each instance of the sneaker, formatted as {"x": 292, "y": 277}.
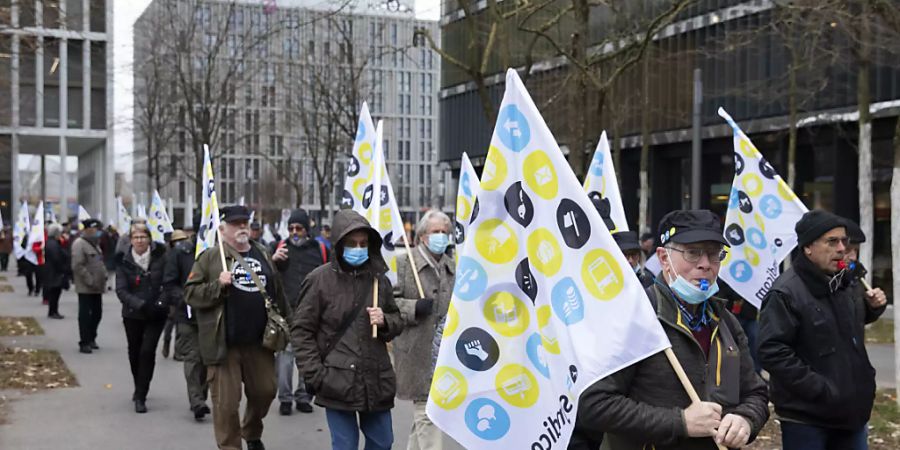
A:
{"x": 200, "y": 412}
{"x": 285, "y": 409}
{"x": 257, "y": 444}
{"x": 86, "y": 348}
{"x": 304, "y": 407}
{"x": 56, "y": 316}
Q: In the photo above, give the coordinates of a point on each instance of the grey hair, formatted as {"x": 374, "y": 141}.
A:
{"x": 54, "y": 230}
{"x": 422, "y": 226}
{"x": 140, "y": 227}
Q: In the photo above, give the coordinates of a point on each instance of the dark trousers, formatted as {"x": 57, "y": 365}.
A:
{"x": 143, "y": 336}
{"x": 167, "y": 336}
{"x": 32, "y": 276}
{"x": 90, "y": 311}
{"x": 52, "y": 296}
{"x": 800, "y": 436}
{"x": 4, "y": 261}
{"x": 187, "y": 344}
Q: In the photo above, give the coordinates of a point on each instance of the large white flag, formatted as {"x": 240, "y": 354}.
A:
{"x": 123, "y": 219}
{"x": 381, "y": 207}
{"x": 209, "y": 219}
{"x": 603, "y": 188}
{"x": 36, "y": 234}
{"x": 158, "y": 220}
{"x": 82, "y": 216}
{"x": 759, "y": 226}
{"x": 544, "y": 303}
{"x": 359, "y": 166}
{"x": 21, "y": 229}
{"x": 466, "y": 201}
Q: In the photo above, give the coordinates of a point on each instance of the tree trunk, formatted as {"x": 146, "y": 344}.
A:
{"x": 792, "y": 127}
{"x": 644, "y": 202}
{"x": 865, "y": 145}
{"x": 895, "y": 250}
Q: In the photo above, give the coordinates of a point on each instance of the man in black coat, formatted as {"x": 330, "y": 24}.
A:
{"x": 628, "y": 243}
{"x": 812, "y": 342}
{"x": 295, "y": 257}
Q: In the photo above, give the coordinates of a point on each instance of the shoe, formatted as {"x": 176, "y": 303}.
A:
{"x": 140, "y": 406}
{"x": 94, "y": 345}
{"x": 200, "y": 412}
{"x": 86, "y": 348}
{"x": 285, "y": 409}
{"x": 257, "y": 444}
{"x": 304, "y": 407}
{"x": 56, "y": 316}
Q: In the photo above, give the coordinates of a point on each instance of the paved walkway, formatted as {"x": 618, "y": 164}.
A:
{"x": 99, "y": 413}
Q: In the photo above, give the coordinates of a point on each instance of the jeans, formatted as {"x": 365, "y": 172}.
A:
{"x": 286, "y": 367}
{"x": 751, "y": 329}
{"x": 143, "y": 336}
{"x": 90, "y": 311}
{"x": 376, "y": 427}
{"x": 800, "y": 436}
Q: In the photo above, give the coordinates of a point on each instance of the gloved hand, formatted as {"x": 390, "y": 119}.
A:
{"x": 424, "y": 307}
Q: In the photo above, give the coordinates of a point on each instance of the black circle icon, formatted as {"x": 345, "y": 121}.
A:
{"x": 744, "y": 202}
{"x": 766, "y": 169}
{"x": 353, "y": 167}
{"x": 347, "y": 200}
{"x": 518, "y": 204}
{"x": 573, "y": 223}
{"x": 734, "y": 234}
{"x": 738, "y": 163}
{"x": 525, "y": 280}
{"x": 477, "y": 349}
{"x": 459, "y": 233}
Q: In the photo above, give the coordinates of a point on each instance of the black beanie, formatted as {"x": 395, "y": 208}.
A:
{"x": 814, "y": 224}
{"x": 855, "y": 233}
{"x": 299, "y": 216}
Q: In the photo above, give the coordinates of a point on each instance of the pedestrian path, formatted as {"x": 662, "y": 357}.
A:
{"x": 99, "y": 414}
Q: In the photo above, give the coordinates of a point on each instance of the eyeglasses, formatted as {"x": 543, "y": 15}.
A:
{"x": 833, "y": 241}
{"x": 693, "y": 255}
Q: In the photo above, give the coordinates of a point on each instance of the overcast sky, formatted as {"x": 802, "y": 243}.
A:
{"x": 126, "y": 12}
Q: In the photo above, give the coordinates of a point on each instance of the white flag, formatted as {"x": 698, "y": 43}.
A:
{"x": 603, "y": 188}
{"x": 544, "y": 303}
{"x": 241, "y": 201}
{"x": 36, "y": 234}
{"x": 267, "y": 236}
{"x": 82, "y": 216}
{"x": 759, "y": 226}
{"x": 209, "y": 219}
{"x": 123, "y": 219}
{"x": 141, "y": 211}
{"x": 359, "y": 166}
{"x": 21, "y": 228}
{"x": 283, "y": 224}
{"x": 51, "y": 215}
{"x": 466, "y": 201}
{"x": 158, "y": 222}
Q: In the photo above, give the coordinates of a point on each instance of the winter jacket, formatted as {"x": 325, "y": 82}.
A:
{"x": 57, "y": 270}
{"x": 301, "y": 261}
{"x": 356, "y": 374}
{"x": 641, "y": 406}
{"x": 812, "y": 343}
{"x": 206, "y": 298}
{"x": 412, "y": 349}
{"x": 179, "y": 261}
{"x": 88, "y": 268}
{"x": 139, "y": 290}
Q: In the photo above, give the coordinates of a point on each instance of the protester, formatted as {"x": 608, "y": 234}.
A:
{"x": 747, "y": 315}
{"x": 57, "y": 270}
{"x": 644, "y": 405}
{"x": 231, "y": 317}
{"x": 32, "y": 278}
{"x": 628, "y": 243}
{"x": 349, "y": 369}
{"x": 648, "y": 245}
{"x": 90, "y": 282}
{"x": 255, "y": 232}
{"x": 812, "y": 342}
{"x": 295, "y": 258}
{"x": 144, "y": 309}
{"x": 108, "y": 246}
{"x": 178, "y": 268}
{"x": 170, "y": 322}
{"x": 325, "y": 236}
{"x": 413, "y": 348}
{"x": 6, "y": 247}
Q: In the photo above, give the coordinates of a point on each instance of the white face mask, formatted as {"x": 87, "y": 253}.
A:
{"x": 686, "y": 290}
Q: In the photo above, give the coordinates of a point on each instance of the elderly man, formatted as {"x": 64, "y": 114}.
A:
{"x": 628, "y": 243}
{"x": 421, "y": 313}
{"x": 644, "y": 405}
{"x": 812, "y": 342}
{"x": 90, "y": 275}
{"x": 231, "y": 318}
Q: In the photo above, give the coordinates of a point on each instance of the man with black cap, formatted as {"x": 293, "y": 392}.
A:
{"x": 628, "y": 243}
{"x": 89, "y": 274}
{"x": 231, "y": 318}
{"x": 812, "y": 342}
{"x": 255, "y": 231}
{"x": 644, "y": 405}
{"x": 295, "y": 257}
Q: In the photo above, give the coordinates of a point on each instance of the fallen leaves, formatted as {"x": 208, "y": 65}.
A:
{"x": 33, "y": 370}
{"x": 19, "y": 326}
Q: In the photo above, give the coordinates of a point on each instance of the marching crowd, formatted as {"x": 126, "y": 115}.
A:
{"x": 807, "y": 339}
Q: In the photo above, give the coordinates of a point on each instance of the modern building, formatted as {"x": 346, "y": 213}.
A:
{"x": 266, "y": 139}
{"x": 743, "y": 62}
{"x": 55, "y": 67}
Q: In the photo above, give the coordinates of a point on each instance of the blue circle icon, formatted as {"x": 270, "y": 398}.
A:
{"x": 513, "y": 128}
{"x": 465, "y": 184}
{"x": 770, "y": 206}
{"x": 568, "y": 304}
{"x": 734, "y": 200}
{"x": 741, "y": 271}
{"x": 487, "y": 419}
{"x": 535, "y": 350}
{"x": 471, "y": 279}
{"x": 597, "y": 165}
{"x": 360, "y": 131}
{"x": 756, "y": 238}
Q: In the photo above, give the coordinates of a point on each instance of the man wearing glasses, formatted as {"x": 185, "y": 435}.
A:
{"x": 644, "y": 405}
{"x": 812, "y": 342}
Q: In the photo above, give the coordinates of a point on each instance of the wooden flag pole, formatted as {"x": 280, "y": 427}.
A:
{"x": 375, "y": 305}
{"x": 685, "y": 382}
{"x": 412, "y": 267}
{"x": 222, "y": 250}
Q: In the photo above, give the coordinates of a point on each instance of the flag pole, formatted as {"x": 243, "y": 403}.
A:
{"x": 412, "y": 266}
{"x": 685, "y": 382}
{"x": 375, "y": 304}
{"x": 222, "y": 249}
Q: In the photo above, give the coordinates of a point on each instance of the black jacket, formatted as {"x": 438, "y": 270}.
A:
{"x": 179, "y": 261}
{"x": 301, "y": 261}
{"x": 140, "y": 291}
{"x": 57, "y": 269}
{"x": 812, "y": 344}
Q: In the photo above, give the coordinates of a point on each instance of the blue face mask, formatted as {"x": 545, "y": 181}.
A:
{"x": 356, "y": 256}
{"x": 691, "y": 294}
{"x": 438, "y": 242}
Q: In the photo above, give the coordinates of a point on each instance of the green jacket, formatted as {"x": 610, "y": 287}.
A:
{"x": 206, "y": 298}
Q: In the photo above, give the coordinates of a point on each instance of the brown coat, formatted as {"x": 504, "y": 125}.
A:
{"x": 356, "y": 375}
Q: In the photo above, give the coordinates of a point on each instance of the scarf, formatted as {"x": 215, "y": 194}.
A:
{"x": 142, "y": 260}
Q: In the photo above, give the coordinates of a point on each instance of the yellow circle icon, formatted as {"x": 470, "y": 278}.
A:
{"x": 785, "y": 191}
{"x": 548, "y": 335}
{"x": 748, "y": 149}
{"x": 385, "y": 217}
{"x": 540, "y": 174}
{"x": 448, "y": 387}
{"x": 463, "y": 210}
{"x": 751, "y": 256}
{"x": 506, "y": 314}
{"x": 393, "y": 264}
{"x": 517, "y": 385}
{"x": 452, "y": 320}
{"x": 544, "y": 252}
{"x": 496, "y": 241}
{"x": 494, "y": 170}
{"x": 753, "y": 184}
{"x": 359, "y": 186}
{"x": 602, "y": 275}
{"x": 365, "y": 153}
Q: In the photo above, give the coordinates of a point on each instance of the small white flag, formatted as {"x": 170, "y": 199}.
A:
{"x": 158, "y": 222}
{"x": 123, "y": 219}
{"x": 21, "y": 229}
{"x": 602, "y": 187}
{"x": 209, "y": 219}
{"x": 36, "y": 235}
{"x": 466, "y": 201}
